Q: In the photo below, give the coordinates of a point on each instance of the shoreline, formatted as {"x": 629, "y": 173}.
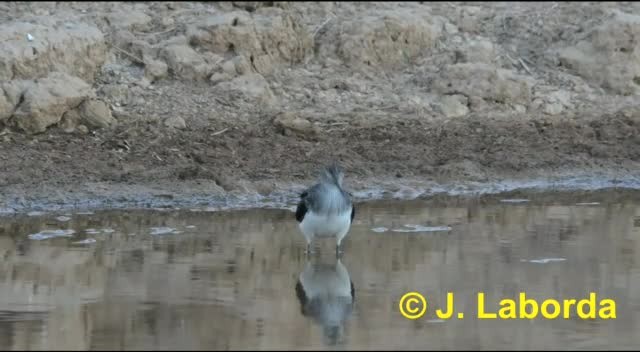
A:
{"x": 206, "y": 196}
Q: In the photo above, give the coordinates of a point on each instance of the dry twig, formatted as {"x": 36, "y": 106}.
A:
{"x": 220, "y": 132}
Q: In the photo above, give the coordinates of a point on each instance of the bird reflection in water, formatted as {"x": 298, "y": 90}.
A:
{"x": 326, "y": 294}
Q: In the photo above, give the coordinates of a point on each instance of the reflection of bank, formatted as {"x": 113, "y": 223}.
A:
{"x": 326, "y": 295}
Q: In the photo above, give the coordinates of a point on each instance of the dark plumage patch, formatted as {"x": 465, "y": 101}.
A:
{"x": 301, "y": 210}
{"x": 302, "y": 297}
{"x": 353, "y": 291}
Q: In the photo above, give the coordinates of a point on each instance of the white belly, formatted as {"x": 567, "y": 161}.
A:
{"x": 324, "y": 226}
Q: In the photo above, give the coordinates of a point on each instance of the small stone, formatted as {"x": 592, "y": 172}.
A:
{"x": 82, "y": 129}
{"x": 167, "y": 21}
{"x": 70, "y": 121}
{"x": 477, "y": 103}
{"x": 450, "y": 28}
{"x": 288, "y": 121}
{"x": 454, "y": 106}
{"x": 242, "y": 65}
{"x": 553, "y": 108}
{"x": 96, "y": 114}
{"x": 229, "y": 68}
{"x": 143, "y": 82}
{"x": 219, "y": 77}
{"x": 537, "y": 104}
{"x": 175, "y": 122}
{"x": 155, "y": 69}
{"x": 117, "y": 93}
{"x": 185, "y": 63}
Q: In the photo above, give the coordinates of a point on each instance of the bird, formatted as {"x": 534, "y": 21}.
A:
{"x": 326, "y": 209}
{"x": 326, "y": 295}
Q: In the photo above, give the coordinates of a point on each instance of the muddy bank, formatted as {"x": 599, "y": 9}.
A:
{"x": 150, "y": 104}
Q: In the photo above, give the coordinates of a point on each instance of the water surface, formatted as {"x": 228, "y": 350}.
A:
{"x": 185, "y": 279}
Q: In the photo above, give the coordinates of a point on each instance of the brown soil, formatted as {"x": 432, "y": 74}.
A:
{"x": 232, "y": 145}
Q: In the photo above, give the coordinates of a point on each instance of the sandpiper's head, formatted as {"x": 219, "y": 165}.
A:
{"x": 332, "y": 173}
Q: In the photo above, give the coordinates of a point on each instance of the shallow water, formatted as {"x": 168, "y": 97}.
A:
{"x": 184, "y": 279}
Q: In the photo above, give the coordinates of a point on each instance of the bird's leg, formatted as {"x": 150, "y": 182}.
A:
{"x": 338, "y": 251}
{"x": 308, "y": 251}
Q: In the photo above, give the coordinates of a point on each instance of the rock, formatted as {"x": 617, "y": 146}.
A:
{"x": 554, "y": 102}
{"x": 562, "y": 97}
{"x": 608, "y": 57}
{"x": 78, "y": 51}
{"x": 242, "y": 65}
{"x": 272, "y": 32}
{"x": 485, "y": 81}
{"x": 70, "y": 120}
{"x": 155, "y": 70}
{"x": 116, "y": 93}
{"x": 167, "y": 21}
{"x": 143, "y": 82}
{"x": 520, "y": 108}
{"x": 212, "y": 58}
{"x": 553, "y": 108}
{"x": 6, "y": 108}
{"x": 175, "y": 122}
{"x": 185, "y": 63}
{"x": 454, "y": 106}
{"x": 82, "y": 129}
{"x": 289, "y": 122}
{"x": 129, "y": 19}
{"x": 10, "y": 95}
{"x": 239, "y": 65}
{"x": 229, "y": 68}
{"x": 450, "y": 28}
{"x": 251, "y": 6}
{"x": 263, "y": 64}
{"x": 476, "y": 103}
{"x": 478, "y": 51}
{"x": 537, "y": 104}
{"x": 469, "y": 18}
{"x": 219, "y": 77}
{"x": 250, "y": 89}
{"x": 46, "y": 100}
{"x": 382, "y": 38}
{"x": 95, "y": 114}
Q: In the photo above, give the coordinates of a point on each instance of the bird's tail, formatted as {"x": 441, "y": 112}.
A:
{"x": 332, "y": 174}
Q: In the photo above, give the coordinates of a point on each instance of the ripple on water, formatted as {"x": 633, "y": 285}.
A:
{"x": 63, "y": 218}
{"x": 86, "y": 241}
{"x": 7, "y": 211}
{"x": 543, "y": 260}
{"x": 93, "y": 231}
{"x": 380, "y": 229}
{"x": 420, "y": 228}
{"x": 163, "y": 231}
{"x": 47, "y": 234}
{"x": 516, "y": 200}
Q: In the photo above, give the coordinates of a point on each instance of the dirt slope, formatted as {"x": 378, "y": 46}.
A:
{"x": 147, "y": 103}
